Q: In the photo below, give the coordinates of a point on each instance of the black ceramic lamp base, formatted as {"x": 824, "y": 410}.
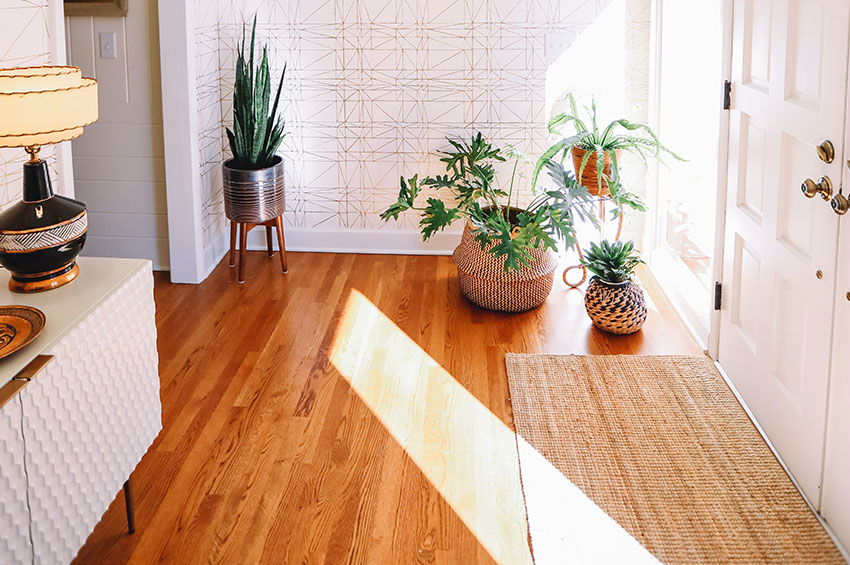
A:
{"x": 41, "y": 236}
{"x": 48, "y": 281}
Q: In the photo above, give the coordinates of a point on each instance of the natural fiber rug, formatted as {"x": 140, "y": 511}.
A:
{"x": 660, "y": 445}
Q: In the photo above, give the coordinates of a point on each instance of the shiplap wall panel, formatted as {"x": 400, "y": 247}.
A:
{"x": 119, "y": 163}
{"x": 106, "y": 196}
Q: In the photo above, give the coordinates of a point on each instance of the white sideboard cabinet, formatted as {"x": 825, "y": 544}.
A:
{"x": 72, "y": 433}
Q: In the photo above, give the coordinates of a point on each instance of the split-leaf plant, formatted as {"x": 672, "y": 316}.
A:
{"x": 501, "y": 227}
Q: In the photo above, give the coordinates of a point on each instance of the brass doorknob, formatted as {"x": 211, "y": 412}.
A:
{"x": 823, "y": 187}
{"x": 840, "y": 204}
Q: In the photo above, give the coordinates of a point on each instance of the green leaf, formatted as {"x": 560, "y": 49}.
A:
{"x": 436, "y": 217}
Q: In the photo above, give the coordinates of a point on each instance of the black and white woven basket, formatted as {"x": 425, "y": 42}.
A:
{"x": 617, "y": 308}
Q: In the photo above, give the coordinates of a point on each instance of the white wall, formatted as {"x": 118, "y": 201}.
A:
{"x": 372, "y": 89}
{"x": 31, "y": 33}
{"x": 119, "y": 168}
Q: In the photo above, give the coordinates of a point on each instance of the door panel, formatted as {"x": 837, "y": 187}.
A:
{"x": 788, "y": 96}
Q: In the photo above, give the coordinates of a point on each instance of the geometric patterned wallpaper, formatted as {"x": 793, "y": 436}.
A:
{"x": 29, "y": 45}
{"x": 374, "y": 86}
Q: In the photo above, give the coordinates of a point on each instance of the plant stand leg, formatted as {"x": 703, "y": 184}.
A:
{"x": 269, "y": 240}
{"x": 243, "y": 243}
{"x": 578, "y": 247}
{"x": 128, "y": 504}
{"x": 579, "y": 266}
{"x": 281, "y": 243}
{"x": 233, "y": 227}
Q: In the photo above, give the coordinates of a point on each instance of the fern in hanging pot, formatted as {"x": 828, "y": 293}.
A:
{"x": 506, "y": 258}
{"x": 253, "y": 177}
{"x": 614, "y": 302}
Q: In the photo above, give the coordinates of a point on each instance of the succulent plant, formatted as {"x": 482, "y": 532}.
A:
{"x": 612, "y": 262}
{"x": 257, "y": 132}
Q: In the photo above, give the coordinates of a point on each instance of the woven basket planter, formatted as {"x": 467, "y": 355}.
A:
{"x": 588, "y": 178}
{"x": 484, "y": 281}
{"x": 253, "y": 196}
{"x": 615, "y": 308}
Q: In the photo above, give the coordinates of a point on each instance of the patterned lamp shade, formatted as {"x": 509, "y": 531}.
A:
{"x": 44, "y": 105}
{"x": 41, "y": 236}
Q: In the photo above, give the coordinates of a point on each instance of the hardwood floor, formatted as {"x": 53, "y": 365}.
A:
{"x": 355, "y": 409}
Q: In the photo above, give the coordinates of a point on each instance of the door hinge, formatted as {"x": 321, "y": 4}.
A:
{"x": 718, "y": 295}
{"x": 727, "y": 94}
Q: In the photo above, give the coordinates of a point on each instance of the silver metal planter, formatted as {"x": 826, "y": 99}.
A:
{"x": 253, "y": 196}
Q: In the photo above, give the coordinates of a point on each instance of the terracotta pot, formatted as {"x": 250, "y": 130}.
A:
{"x": 617, "y": 308}
{"x": 588, "y": 179}
{"x": 253, "y": 196}
{"x": 484, "y": 281}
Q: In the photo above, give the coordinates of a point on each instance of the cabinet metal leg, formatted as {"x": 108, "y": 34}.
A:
{"x": 128, "y": 502}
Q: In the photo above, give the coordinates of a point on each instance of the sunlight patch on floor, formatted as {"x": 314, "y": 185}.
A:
{"x": 464, "y": 450}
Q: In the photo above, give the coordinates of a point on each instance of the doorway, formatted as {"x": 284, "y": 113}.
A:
{"x": 688, "y": 115}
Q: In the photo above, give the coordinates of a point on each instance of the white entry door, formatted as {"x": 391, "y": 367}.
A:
{"x": 789, "y": 75}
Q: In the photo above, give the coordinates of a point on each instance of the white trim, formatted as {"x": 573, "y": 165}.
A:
{"x": 180, "y": 134}
{"x": 377, "y": 242}
{"x": 59, "y": 56}
{"x": 722, "y": 182}
{"x": 758, "y": 427}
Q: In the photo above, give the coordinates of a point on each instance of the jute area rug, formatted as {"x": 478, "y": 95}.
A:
{"x": 635, "y": 458}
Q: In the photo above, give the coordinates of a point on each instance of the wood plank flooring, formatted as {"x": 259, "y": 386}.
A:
{"x": 353, "y": 410}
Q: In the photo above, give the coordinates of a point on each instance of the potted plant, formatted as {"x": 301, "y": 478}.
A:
{"x": 613, "y": 301}
{"x": 586, "y": 145}
{"x": 506, "y": 258}
{"x": 253, "y": 177}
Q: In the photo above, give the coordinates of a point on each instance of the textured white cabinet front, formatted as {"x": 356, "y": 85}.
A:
{"x": 15, "y": 544}
{"x": 90, "y": 416}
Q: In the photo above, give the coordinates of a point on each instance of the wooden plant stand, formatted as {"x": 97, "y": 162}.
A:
{"x": 244, "y": 228}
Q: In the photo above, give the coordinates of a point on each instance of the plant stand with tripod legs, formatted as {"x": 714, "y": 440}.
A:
{"x": 583, "y": 269}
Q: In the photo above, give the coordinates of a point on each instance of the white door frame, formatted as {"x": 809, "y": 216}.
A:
{"x": 180, "y": 133}
{"x": 722, "y": 181}
{"x": 655, "y": 233}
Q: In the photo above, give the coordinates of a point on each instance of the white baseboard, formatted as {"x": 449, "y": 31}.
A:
{"x": 377, "y": 242}
{"x": 360, "y": 241}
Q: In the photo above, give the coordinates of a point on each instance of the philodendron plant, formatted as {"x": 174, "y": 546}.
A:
{"x": 504, "y": 229}
{"x": 257, "y": 131}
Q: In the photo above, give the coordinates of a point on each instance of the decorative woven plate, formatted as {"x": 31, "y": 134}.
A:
{"x": 19, "y": 325}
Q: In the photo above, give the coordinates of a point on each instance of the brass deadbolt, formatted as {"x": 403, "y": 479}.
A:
{"x": 848, "y": 296}
{"x": 826, "y": 151}
{"x": 823, "y": 187}
{"x": 840, "y": 204}
{"x": 819, "y": 274}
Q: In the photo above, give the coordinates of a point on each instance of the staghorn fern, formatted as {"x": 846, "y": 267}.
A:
{"x": 612, "y": 262}
{"x": 257, "y": 132}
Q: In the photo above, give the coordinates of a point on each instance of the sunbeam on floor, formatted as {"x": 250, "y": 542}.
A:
{"x": 464, "y": 450}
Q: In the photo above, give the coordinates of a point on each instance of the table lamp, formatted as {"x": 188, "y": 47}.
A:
{"x": 41, "y": 236}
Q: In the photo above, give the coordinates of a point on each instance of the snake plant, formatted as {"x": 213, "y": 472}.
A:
{"x": 505, "y": 231}
{"x": 619, "y": 134}
{"x": 257, "y": 131}
{"x": 612, "y": 262}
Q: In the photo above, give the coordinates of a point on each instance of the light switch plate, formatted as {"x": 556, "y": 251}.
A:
{"x": 108, "y": 49}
